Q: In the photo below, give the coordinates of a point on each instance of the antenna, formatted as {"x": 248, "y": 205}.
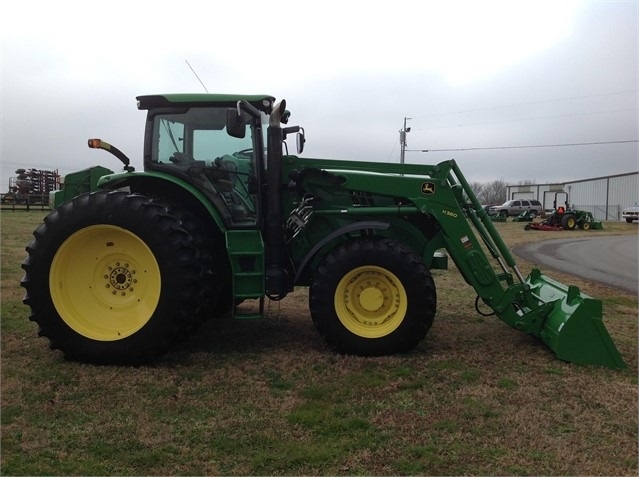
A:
{"x": 198, "y": 78}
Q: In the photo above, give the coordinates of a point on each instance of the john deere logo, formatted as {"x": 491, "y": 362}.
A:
{"x": 428, "y": 188}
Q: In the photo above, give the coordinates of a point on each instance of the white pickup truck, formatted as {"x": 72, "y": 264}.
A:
{"x": 631, "y": 213}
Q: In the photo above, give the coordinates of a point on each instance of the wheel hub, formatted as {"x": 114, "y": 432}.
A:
{"x": 120, "y": 277}
{"x": 369, "y": 301}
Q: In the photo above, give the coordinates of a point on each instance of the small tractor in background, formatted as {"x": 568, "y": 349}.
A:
{"x": 223, "y": 214}
{"x": 563, "y": 217}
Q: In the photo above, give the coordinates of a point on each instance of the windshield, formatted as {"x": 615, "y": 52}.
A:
{"x": 199, "y": 133}
{"x": 195, "y": 142}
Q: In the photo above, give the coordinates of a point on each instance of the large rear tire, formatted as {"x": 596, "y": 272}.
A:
{"x": 373, "y": 297}
{"x": 112, "y": 278}
{"x": 216, "y": 284}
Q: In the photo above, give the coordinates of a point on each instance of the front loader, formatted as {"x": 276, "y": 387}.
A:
{"x": 222, "y": 213}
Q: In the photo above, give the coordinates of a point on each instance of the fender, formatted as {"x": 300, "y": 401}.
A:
{"x": 181, "y": 186}
{"x": 369, "y": 224}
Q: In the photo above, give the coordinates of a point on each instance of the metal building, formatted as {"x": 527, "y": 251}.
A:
{"x": 604, "y": 197}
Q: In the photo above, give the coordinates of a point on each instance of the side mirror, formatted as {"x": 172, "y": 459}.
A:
{"x": 301, "y": 140}
{"x": 235, "y": 123}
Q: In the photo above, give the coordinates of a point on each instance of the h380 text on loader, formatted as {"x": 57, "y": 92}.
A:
{"x": 222, "y": 213}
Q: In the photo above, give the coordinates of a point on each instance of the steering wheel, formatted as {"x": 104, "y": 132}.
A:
{"x": 245, "y": 152}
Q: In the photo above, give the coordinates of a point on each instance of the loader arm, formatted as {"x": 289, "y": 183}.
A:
{"x": 567, "y": 321}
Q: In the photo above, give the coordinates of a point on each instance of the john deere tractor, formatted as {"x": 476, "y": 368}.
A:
{"x": 566, "y": 217}
{"x": 222, "y": 214}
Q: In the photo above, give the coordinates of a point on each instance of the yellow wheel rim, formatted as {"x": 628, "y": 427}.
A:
{"x": 105, "y": 282}
{"x": 586, "y": 226}
{"x": 370, "y": 301}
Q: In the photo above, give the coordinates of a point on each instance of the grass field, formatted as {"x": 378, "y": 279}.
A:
{"x": 267, "y": 397}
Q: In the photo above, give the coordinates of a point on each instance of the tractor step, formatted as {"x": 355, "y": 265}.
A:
{"x": 246, "y": 253}
{"x": 249, "y": 309}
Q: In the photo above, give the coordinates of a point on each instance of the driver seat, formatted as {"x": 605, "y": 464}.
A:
{"x": 223, "y": 174}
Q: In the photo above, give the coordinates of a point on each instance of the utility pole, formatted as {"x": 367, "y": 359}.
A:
{"x": 402, "y": 140}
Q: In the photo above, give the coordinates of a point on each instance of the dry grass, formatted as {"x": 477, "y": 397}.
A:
{"x": 267, "y": 397}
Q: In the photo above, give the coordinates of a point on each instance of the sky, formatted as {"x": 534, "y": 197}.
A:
{"x": 542, "y": 91}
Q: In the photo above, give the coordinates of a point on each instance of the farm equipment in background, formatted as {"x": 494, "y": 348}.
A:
{"x": 31, "y": 186}
{"x": 222, "y": 214}
{"x": 563, "y": 217}
{"x": 527, "y": 216}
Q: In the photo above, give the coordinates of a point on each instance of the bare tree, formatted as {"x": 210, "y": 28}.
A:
{"x": 477, "y": 188}
{"x": 493, "y": 193}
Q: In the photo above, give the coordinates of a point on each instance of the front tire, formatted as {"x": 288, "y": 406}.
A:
{"x": 112, "y": 278}
{"x": 373, "y": 297}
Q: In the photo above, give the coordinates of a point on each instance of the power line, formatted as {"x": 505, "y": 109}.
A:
{"x": 523, "y": 147}
{"x": 528, "y": 119}
{"x": 392, "y": 151}
{"x": 525, "y": 104}
{"x": 32, "y": 165}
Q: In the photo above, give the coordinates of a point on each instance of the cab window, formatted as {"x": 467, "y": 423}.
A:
{"x": 195, "y": 144}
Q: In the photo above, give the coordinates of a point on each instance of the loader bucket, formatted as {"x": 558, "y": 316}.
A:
{"x": 596, "y": 226}
{"x": 574, "y": 329}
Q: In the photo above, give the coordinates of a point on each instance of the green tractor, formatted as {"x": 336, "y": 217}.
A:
{"x": 565, "y": 217}
{"x": 222, "y": 214}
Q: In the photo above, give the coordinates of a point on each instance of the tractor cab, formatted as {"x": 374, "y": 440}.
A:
{"x": 217, "y": 144}
{"x": 190, "y": 140}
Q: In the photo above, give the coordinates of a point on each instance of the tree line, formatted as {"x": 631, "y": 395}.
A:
{"x": 490, "y": 193}
{"x": 493, "y": 193}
